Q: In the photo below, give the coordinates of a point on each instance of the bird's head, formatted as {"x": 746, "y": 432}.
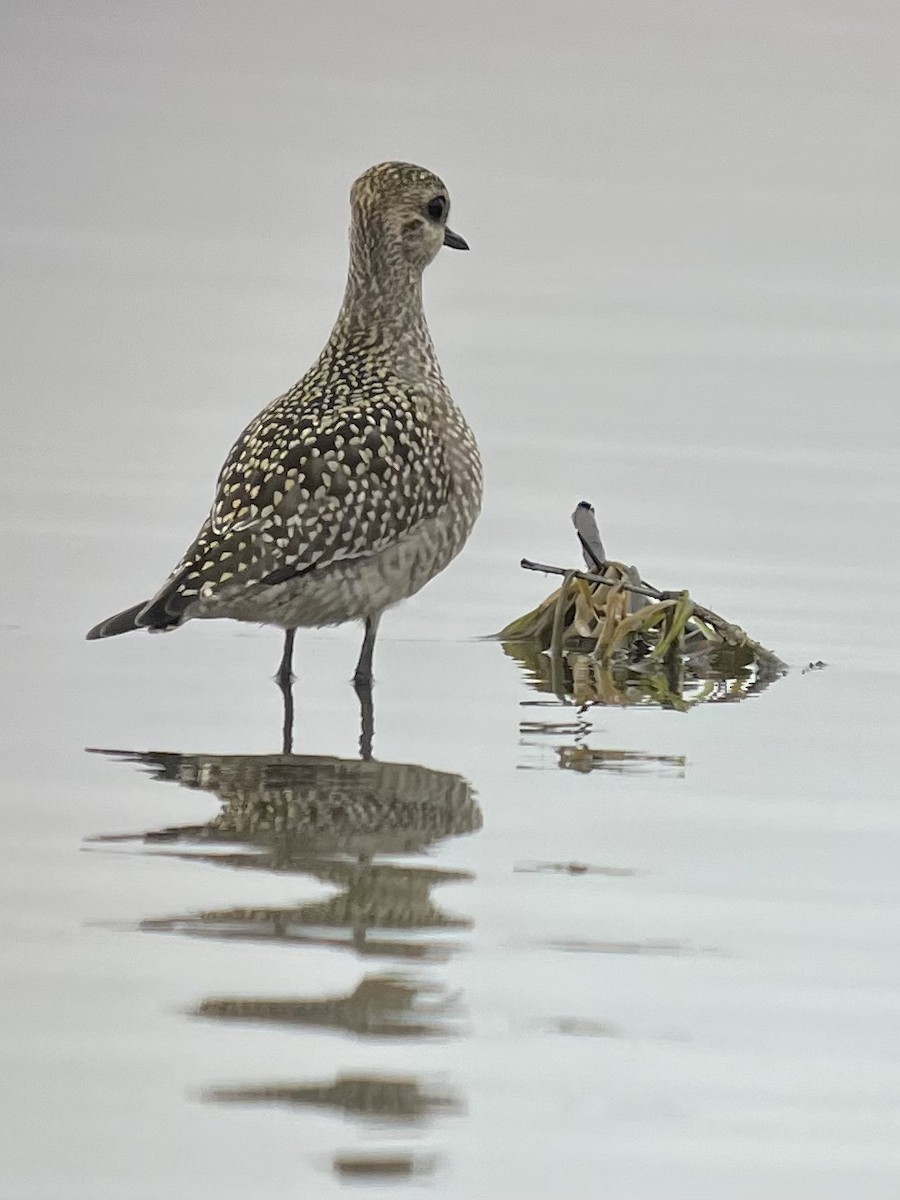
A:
{"x": 401, "y": 210}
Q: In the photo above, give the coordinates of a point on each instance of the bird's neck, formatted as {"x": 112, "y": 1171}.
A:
{"x": 382, "y": 305}
{"x": 382, "y": 290}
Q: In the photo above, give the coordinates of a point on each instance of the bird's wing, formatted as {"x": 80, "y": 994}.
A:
{"x": 303, "y": 489}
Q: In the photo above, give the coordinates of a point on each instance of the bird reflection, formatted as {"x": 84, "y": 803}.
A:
{"x": 285, "y": 681}
{"x": 381, "y": 1006}
{"x": 333, "y": 820}
{"x": 329, "y": 818}
{"x": 400, "y": 1100}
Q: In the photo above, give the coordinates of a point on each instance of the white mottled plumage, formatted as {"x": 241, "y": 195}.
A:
{"x": 356, "y": 487}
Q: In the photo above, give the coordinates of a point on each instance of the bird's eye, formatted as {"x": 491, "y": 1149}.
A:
{"x": 437, "y": 207}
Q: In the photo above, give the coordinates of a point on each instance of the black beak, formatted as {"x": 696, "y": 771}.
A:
{"x": 454, "y": 241}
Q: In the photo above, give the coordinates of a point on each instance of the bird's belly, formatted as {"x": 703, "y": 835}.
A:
{"x": 353, "y": 589}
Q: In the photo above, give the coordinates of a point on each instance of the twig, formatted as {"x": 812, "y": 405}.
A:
{"x": 705, "y": 614}
{"x": 644, "y": 590}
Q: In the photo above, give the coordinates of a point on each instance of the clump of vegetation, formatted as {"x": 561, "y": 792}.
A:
{"x": 605, "y": 634}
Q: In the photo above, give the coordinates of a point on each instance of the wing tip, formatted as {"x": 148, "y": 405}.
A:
{"x": 123, "y": 622}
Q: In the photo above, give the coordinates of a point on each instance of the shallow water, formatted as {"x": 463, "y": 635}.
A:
{"x": 530, "y": 950}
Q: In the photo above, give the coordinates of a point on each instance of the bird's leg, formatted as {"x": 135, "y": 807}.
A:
{"x": 363, "y": 675}
{"x": 285, "y": 675}
{"x": 362, "y": 682}
{"x": 285, "y": 680}
{"x": 287, "y": 725}
{"x": 366, "y": 720}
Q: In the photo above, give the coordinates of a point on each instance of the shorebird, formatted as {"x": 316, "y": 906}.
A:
{"x": 356, "y": 487}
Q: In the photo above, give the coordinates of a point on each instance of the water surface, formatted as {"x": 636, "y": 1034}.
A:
{"x": 529, "y": 950}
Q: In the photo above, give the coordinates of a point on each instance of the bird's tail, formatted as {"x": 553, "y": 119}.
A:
{"x": 164, "y": 611}
{"x": 122, "y": 622}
